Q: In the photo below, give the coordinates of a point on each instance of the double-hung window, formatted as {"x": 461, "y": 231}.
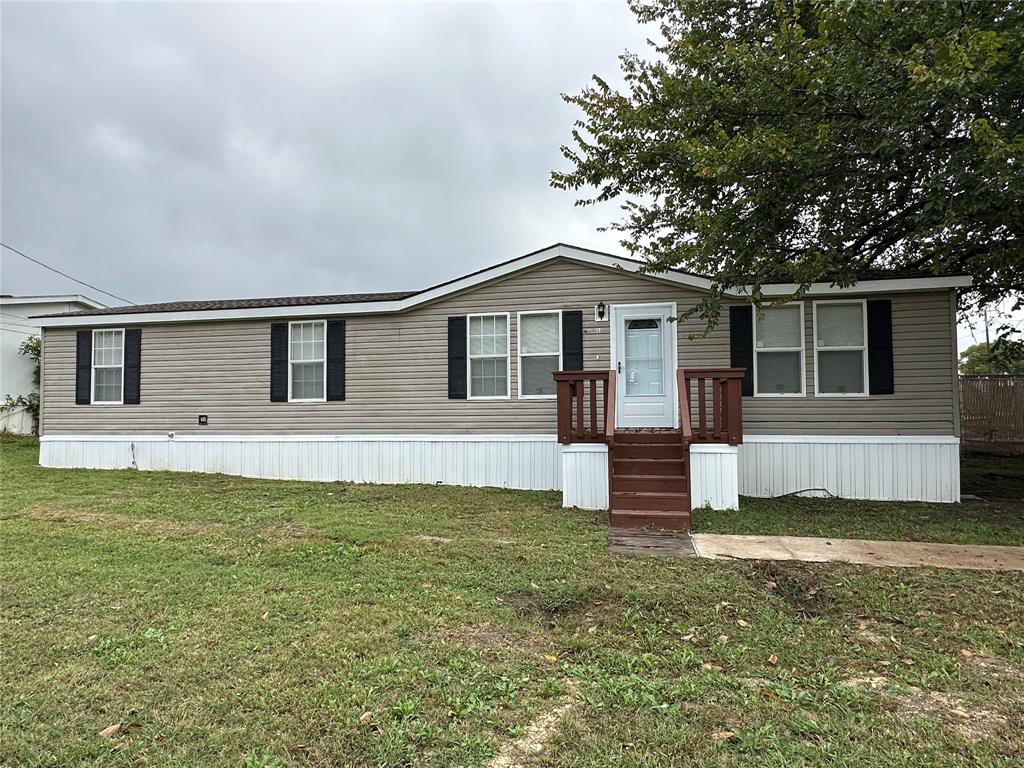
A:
{"x": 779, "y": 351}
{"x": 840, "y": 348}
{"x": 108, "y": 367}
{"x": 307, "y": 361}
{"x": 540, "y": 353}
{"x": 488, "y": 356}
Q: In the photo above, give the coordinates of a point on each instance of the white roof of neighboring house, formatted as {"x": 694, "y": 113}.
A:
{"x": 54, "y": 298}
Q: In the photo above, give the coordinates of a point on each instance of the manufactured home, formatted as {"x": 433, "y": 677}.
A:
{"x": 564, "y": 369}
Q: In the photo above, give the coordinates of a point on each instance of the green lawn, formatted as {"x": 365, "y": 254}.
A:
{"x": 225, "y": 621}
{"x": 995, "y": 517}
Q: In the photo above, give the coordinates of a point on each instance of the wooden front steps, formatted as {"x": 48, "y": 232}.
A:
{"x": 649, "y": 487}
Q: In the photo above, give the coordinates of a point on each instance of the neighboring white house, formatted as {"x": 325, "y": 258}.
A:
{"x": 15, "y": 327}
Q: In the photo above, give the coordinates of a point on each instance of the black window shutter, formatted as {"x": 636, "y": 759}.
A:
{"x": 279, "y": 362}
{"x": 457, "y": 358}
{"x": 572, "y": 340}
{"x": 741, "y": 344}
{"x": 132, "y": 366}
{"x": 880, "y": 376}
{"x": 336, "y": 360}
{"x": 83, "y": 368}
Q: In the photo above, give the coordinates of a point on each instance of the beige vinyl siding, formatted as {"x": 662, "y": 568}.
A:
{"x": 397, "y": 370}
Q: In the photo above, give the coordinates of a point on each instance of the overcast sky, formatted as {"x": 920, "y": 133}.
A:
{"x": 186, "y": 151}
{"x": 196, "y": 150}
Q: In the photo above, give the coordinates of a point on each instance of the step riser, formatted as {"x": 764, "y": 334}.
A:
{"x": 642, "y": 467}
{"x": 658, "y": 438}
{"x": 680, "y": 522}
{"x": 621, "y": 501}
{"x": 665, "y": 484}
{"x": 648, "y": 451}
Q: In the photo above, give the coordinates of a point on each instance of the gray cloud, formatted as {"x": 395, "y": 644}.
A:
{"x": 194, "y": 151}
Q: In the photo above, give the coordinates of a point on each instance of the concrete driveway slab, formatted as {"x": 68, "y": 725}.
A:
{"x": 898, "y": 554}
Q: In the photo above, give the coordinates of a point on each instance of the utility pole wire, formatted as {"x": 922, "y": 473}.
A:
{"x": 65, "y": 274}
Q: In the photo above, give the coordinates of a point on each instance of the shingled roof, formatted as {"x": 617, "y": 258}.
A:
{"x": 273, "y": 301}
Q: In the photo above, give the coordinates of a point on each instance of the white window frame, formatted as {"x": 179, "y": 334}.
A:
{"x": 291, "y": 363}
{"x": 863, "y": 348}
{"x": 508, "y": 357}
{"x": 520, "y": 355}
{"x": 801, "y": 349}
{"x": 93, "y": 367}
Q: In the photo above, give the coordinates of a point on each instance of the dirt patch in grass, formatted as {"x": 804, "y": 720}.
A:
{"x": 972, "y": 722}
{"x": 803, "y": 590}
{"x": 489, "y": 636}
{"x": 556, "y": 602}
{"x": 524, "y": 750}
{"x": 164, "y": 528}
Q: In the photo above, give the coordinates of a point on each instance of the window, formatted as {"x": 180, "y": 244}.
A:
{"x": 779, "y": 351}
{"x": 488, "y": 356}
{"x": 307, "y": 361}
{"x": 840, "y": 348}
{"x": 108, "y": 367}
{"x": 540, "y": 353}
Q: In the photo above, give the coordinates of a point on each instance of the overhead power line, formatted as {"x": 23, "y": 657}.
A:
{"x": 65, "y": 274}
{"x": 11, "y": 330}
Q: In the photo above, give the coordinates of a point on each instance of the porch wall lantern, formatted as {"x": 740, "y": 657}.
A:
{"x": 600, "y": 311}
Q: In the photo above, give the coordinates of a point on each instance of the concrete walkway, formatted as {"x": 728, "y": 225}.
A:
{"x": 899, "y": 554}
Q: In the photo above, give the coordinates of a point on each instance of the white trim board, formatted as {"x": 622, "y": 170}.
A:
{"x": 841, "y": 439}
{"x": 537, "y": 258}
{"x": 179, "y": 437}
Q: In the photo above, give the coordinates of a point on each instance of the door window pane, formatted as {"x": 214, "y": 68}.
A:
{"x": 841, "y": 372}
{"x": 779, "y": 327}
{"x": 778, "y": 373}
{"x": 644, "y": 365}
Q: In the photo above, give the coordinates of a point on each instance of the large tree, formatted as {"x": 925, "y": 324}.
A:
{"x": 815, "y": 140}
{"x": 1005, "y": 356}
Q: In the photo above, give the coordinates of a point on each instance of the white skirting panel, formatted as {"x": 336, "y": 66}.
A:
{"x": 885, "y": 468}
{"x": 713, "y": 476}
{"x": 585, "y": 475}
{"x": 529, "y": 462}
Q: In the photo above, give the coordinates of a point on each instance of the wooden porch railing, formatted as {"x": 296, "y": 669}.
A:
{"x": 710, "y": 405}
{"x": 724, "y": 399}
{"x": 585, "y": 406}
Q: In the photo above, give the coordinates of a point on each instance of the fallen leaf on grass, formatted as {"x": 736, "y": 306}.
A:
{"x": 722, "y": 735}
{"x": 773, "y": 659}
{"x": 110, "y": 730}
{"x": 121, "y": 746}
{"x": 365, "y": 718}
{"x": 265, "y": 616}
{"x": 743, "y": 623}
{"x": 710, "y": 667}
{"x": 550, "y": 657}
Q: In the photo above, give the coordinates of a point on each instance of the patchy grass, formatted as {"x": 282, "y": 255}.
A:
{"x": 225, "y": 621}
{"x": 995, "y": 517}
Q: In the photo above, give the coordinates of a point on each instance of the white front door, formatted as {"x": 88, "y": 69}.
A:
{"x": 643, "y": 351}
